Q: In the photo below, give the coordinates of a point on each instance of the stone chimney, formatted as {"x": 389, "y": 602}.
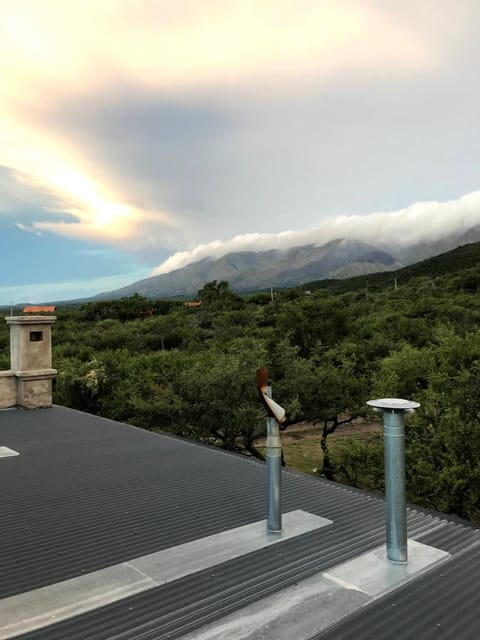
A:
{"x": 28, "y": 383}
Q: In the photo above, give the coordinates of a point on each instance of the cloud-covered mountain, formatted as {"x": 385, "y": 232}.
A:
{"x": 255, "y": 270}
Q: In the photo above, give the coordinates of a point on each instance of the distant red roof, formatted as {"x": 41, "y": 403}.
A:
{"x": 38, "y": 309}
{"x": 193, "y": 303}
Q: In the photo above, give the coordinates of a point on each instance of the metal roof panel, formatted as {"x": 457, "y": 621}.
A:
{"x": 86, "y": 493}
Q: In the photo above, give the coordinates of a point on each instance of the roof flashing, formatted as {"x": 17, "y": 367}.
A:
{"x": 6, "y": 452}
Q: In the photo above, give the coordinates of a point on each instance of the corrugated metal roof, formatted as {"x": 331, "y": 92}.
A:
{"x": 442, "y": 604}
{"x": 86, "y": 493}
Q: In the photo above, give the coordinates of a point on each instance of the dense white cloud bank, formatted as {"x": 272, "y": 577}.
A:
{"x": 421, "y": 222}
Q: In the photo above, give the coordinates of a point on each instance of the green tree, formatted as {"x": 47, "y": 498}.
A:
{"x": 220, "y": 403}
{"x": 218, "y": 295}
{"x": 443, "y": 438}
{"x": 327, "y": 389}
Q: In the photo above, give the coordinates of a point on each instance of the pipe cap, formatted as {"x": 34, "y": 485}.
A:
{"x": 393, "y": 404}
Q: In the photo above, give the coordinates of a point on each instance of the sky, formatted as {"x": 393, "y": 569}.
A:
{"x": 139, "y": 135}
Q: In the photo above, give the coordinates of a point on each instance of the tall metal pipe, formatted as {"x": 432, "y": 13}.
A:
{"x": 274, "y": 470}
{"x": 393, "y": 410}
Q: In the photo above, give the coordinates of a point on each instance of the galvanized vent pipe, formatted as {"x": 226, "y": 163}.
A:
{"x": 393, "y": 410}
{"x": 274, "y": 470}
{"x": 276, "y": 417}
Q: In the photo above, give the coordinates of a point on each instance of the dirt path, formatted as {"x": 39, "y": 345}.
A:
{"x": 309, "y": 431}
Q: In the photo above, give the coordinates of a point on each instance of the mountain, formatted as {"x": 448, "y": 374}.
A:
{"x": 249, "y": 271}
{"x": 460, "y": 261}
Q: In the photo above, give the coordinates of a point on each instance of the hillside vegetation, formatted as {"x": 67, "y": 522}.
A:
{"x": 462, "y": 259}
{"x": 191, "y": 370}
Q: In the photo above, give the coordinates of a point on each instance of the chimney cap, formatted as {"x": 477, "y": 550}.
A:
{"x": 30, "y": 319}
{"x": 39, "y": 309}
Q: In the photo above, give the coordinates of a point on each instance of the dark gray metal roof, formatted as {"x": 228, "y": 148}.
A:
{"x": 86, "y": 493}
{"x": 443, "y": 604}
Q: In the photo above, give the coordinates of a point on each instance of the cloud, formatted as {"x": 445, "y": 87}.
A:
{"x": 194, "y": 45}
{"x": 150, "y": 125}
{"x": 68, "y": 203}
{"x": 222, "y": 169}
{"x": 421, "y": 222}
{"x": 24, "y": 227}
{"x": 56, "y": 52}
{"x": 18, "y": 195}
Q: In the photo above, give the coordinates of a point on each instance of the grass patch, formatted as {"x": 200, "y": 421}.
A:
{"x": 351, "y": 453}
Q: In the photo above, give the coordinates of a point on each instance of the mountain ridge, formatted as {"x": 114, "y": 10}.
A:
{"x": 250, "y": 271}
{"x": 460, "y": 259}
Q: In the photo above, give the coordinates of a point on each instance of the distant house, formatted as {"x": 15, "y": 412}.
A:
{"x": 193, "y": 303}
{"x": 39, "y": 309}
